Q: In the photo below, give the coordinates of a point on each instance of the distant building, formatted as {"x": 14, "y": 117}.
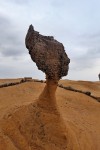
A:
{"x": 26, "y": 79}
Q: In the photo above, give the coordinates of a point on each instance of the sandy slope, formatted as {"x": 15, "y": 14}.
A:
{"x": 93, "y": 87}
{"x": 26, "y": 126}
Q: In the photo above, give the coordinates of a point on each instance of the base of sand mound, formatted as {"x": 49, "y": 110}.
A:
{"x": 32, "y": 127}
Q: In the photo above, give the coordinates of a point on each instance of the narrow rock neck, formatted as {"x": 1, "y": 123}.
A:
{"x": 49, "y": 90}
{"x": 47, "y": 98}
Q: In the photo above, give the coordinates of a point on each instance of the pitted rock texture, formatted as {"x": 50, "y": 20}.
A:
{"x": 48, "y": 54}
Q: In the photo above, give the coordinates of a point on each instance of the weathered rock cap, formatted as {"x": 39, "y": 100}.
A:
{"x": 48, "y": 54}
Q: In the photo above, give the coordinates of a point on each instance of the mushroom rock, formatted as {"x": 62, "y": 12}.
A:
{"x": 50, "y": 57}
{"x": 48, "y": 54}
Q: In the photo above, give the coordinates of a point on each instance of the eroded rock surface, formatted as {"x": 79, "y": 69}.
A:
{"x": 50, "y": 57}
{"x": 48, "y": 54}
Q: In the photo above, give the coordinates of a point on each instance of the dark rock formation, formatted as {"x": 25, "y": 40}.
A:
{"x": 99, "y": 76}
{"x": 48, "y": 54}
{"x": 50, "y": 57}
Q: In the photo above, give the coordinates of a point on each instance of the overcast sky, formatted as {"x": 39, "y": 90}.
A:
{"x": 75, "y": 23}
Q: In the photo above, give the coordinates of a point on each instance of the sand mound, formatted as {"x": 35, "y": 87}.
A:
{"x": 38, "y": 125}
{"x": 71, "y": 124}
{"x": 32, "y": 127}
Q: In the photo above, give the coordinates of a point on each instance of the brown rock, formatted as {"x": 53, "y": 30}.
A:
{"x": 48, "y": 54}
{"x": 50, "y": 57}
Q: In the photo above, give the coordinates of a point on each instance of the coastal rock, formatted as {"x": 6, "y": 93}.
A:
{"x": 48, "y": 54}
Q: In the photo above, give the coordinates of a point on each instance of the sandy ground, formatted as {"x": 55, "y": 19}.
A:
{"x": 22, "y": 122}
{"x": 93, "y": 87}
